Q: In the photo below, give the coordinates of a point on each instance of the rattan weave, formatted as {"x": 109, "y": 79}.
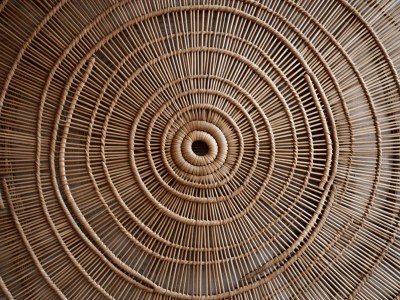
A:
{"x": 200, "y": 149}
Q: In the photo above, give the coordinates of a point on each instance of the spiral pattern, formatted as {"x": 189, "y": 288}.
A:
{"x": 199, "y": 149}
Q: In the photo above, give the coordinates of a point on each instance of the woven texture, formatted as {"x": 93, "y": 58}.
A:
{"x": 200, "y": 149}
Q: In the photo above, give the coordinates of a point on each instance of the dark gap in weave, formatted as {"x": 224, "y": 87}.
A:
{"x": 200, "y": 148}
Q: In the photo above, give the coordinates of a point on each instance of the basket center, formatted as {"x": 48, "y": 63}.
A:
{"x": 200, "y": 148}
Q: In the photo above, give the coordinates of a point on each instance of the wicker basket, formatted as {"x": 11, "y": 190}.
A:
{"x": 200, "y": 149}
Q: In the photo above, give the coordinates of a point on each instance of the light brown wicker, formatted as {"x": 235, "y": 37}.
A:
{"x": 200, "y": 149}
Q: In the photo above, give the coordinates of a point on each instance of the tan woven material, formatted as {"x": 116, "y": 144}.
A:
{"x": 200, "y": 149}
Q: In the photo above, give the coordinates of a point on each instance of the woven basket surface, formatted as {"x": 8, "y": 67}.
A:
{"x": 200, "y": 149}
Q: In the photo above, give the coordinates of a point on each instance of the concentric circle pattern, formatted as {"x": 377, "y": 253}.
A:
{"x": 200, "y": 149}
